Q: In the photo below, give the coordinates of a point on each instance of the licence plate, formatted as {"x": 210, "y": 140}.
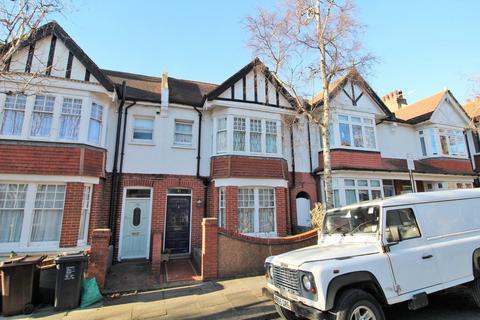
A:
{"x": 284, "y": 303}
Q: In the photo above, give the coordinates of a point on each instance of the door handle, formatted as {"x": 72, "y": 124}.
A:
{"x": 428, "y": 256}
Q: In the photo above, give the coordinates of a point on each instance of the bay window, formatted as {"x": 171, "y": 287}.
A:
{"x": 13, "y": 114}
{"x": 48, "y": 213}
{"x": 256, "y": 211}
{"x": 356, "y": 132}
{"x": 42, "y": 116}
{"x": 12, "y": 206}
{"x": 245, "y": 135}
{"x": 95, "y": 125}
{"x": 349, "y": 191}
{"x": 70, "y": 118}
{"x": 442, "y": 142}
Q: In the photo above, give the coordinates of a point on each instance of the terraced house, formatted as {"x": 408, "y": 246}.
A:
{"x": 149, "y": 157}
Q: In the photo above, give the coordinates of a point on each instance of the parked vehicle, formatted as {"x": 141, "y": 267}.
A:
{"x": 381, "y": 252}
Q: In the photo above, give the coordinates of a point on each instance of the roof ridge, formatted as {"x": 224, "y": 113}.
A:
{"x": 423, "y": 99}
{"x": 154, "y": 78}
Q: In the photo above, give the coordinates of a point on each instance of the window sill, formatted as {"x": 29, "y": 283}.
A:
{"x": 262, "y": 234}
{"x": 141, "y": 143}
{"x": 180, "y": 146}
{"x": 250, "y": 154}
{"x": 351, "y": 148}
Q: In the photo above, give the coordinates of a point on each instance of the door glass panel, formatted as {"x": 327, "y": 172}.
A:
{"x": 138, "y": 193}
{"x": 137, "y": 212}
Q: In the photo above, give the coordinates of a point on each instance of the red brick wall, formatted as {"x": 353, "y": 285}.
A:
{"x": 451, "y": 165}
{"x": 248, "y": 167}
{"x": 71, "y": 214}
{"x": 44, "y": 159}
{"x": 209, "y": 249}
{"x": 281, "y": 198}
{"x": 352, "y": 159}
{"x": 100, "y": 206}
{"x": 98, "y": 260}
{"x": 160, "y": 185}
{"x": 304, "y": 182}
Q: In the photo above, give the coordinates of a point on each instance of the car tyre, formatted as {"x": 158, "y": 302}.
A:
{"x": 356, "y": 304}
{"x": 476, "y": 291}
{"x": 286, "y": 314}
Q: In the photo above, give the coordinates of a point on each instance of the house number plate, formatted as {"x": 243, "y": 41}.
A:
{"x": 284, "y": 303}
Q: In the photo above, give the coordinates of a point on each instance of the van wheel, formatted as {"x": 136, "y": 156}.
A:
{"x": 356, "y": 304}
{"x": 286, "y": 314}
{"x": 476, "y": 291}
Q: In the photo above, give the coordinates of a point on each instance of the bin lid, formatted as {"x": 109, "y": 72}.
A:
{"x": 21, "y": 260}
{"x": 71, "y": 257}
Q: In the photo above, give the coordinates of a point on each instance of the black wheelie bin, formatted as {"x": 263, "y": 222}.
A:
{"x": 68, "y": 285}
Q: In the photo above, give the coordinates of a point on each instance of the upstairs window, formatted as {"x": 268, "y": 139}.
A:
{"x": 70, "y": 118}
{"x": 356, "y": 132}
{"x": 95, "y": 126}
{"x": 221, "y": 135}
{"x": 271, "y": 129}
{"x": 143, "y": 130}
{"x": 443, "y": 142}
{"x": 13, "y": 114}
{"x": 255, "y": 135}
{"x": 239, "y": 133}
{"x": 42, "y": 116}
{"x": 183, "y": 133}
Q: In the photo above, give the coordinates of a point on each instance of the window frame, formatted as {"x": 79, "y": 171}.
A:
{"x": 16, "y": 110}
{"x": 340, "y": 184}
{"x": 415, "y": 220}
{"x": 63, "y": 114}
{"x": 433, "y": 137}
{"x": 43, "y": 112}
{"x": 348, "y": 120}
{"x": 184, "y": 122}
{"x": 256, "y": 212}
{"x": 88, "y": 211}
{"x": 142, "y": 141}
{"x": 222, "y": 204}
{"x": 98, "y": 119}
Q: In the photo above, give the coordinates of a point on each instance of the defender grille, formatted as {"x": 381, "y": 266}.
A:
{"x": 286, "y": 279}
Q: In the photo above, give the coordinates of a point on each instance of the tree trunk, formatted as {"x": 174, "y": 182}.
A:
{"x": 327, "y": 168}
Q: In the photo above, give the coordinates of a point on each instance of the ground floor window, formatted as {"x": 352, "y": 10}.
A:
{"x": 349, "y": 190}
{"x": 256, "y": 210}
{"x": 31, "y": 213}
{"x": 85, "y": 215}
{"x": 221, "y": 207}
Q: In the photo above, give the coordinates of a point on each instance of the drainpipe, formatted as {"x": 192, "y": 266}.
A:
{"x": 122, "y": 154}
{"x": 113, "y": 188}
{"x": 309, "y": 148}
{"x": 200, "y": 117}
{"x": 468, "y": 150}
{"x": 292, "y": 149}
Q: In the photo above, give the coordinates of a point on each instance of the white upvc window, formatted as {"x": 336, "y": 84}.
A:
{"x": 356, "y": 132}
{"x": 350, "y": 190}
{"x": 70, "y": 118}
{"x": 13, "y": 114}
{"x": 143, "y": 129}
{"x": 221, "y": 135}
{"x": 48, "y": 213}
{"x": 239, "y": 134}
{"x": 95, "y": 125}
{"x": 42, "y": 116}
{"x": 257, "y": 211}
{"x": 85, "y": 214}
{"x": 183, "y": 133}
{"x": 444, "y": 142}
{"x": 244, "y": 135}
{"x": 12, "y": 211}
{"x": 222, "y": 207}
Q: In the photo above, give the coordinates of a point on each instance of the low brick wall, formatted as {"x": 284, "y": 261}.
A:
{"x": 243, "y": 255}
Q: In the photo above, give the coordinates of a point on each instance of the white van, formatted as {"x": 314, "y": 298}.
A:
{"x": 378, "y": 253}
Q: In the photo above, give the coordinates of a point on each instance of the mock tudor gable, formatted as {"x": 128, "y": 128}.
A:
{"x": 50, "y": 51}
{"x": 255, "y": 84}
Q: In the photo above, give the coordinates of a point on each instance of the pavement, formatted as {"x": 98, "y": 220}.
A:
{"x": 240, "y": 299}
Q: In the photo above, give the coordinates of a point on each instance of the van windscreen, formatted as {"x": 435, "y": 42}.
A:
{"x": 351, "y": 221}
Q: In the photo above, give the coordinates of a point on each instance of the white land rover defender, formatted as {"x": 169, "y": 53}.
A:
{"x": 378, "y": 253}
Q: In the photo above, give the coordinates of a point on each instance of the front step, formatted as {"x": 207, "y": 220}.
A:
{"x": 179, "y": 256}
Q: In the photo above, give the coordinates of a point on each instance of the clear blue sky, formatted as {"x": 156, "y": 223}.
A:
{"x": 421, "y": 46}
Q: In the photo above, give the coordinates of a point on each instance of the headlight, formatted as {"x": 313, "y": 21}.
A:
{"x": 307, "y": 284}
{"x": 270, "y": 271}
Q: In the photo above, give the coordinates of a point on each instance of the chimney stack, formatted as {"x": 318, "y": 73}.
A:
{"x": 395, "y": 100}
{"x": 164, "y": 95}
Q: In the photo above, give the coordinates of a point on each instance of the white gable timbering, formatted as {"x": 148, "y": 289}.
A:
{"x": 254, "y": 87}
{"x": 450, "y": 113}
{"x": 354, "y": 98}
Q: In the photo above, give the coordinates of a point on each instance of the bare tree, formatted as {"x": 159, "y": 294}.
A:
{"x": 19, "y": 20}
{"x": 310, "y": 43}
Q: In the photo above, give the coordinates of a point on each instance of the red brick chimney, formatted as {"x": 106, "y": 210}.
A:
{"x": 395, "y": 100}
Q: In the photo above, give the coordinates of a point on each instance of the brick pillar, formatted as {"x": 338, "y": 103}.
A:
{"x": 209, "y": 248}
{"x": 71, "y": 214}
{"x": 282, "y": 211}
{"x": 98, "y": 261}
{"x": 232, "y": 208}
{"x": 157, "y": 247}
